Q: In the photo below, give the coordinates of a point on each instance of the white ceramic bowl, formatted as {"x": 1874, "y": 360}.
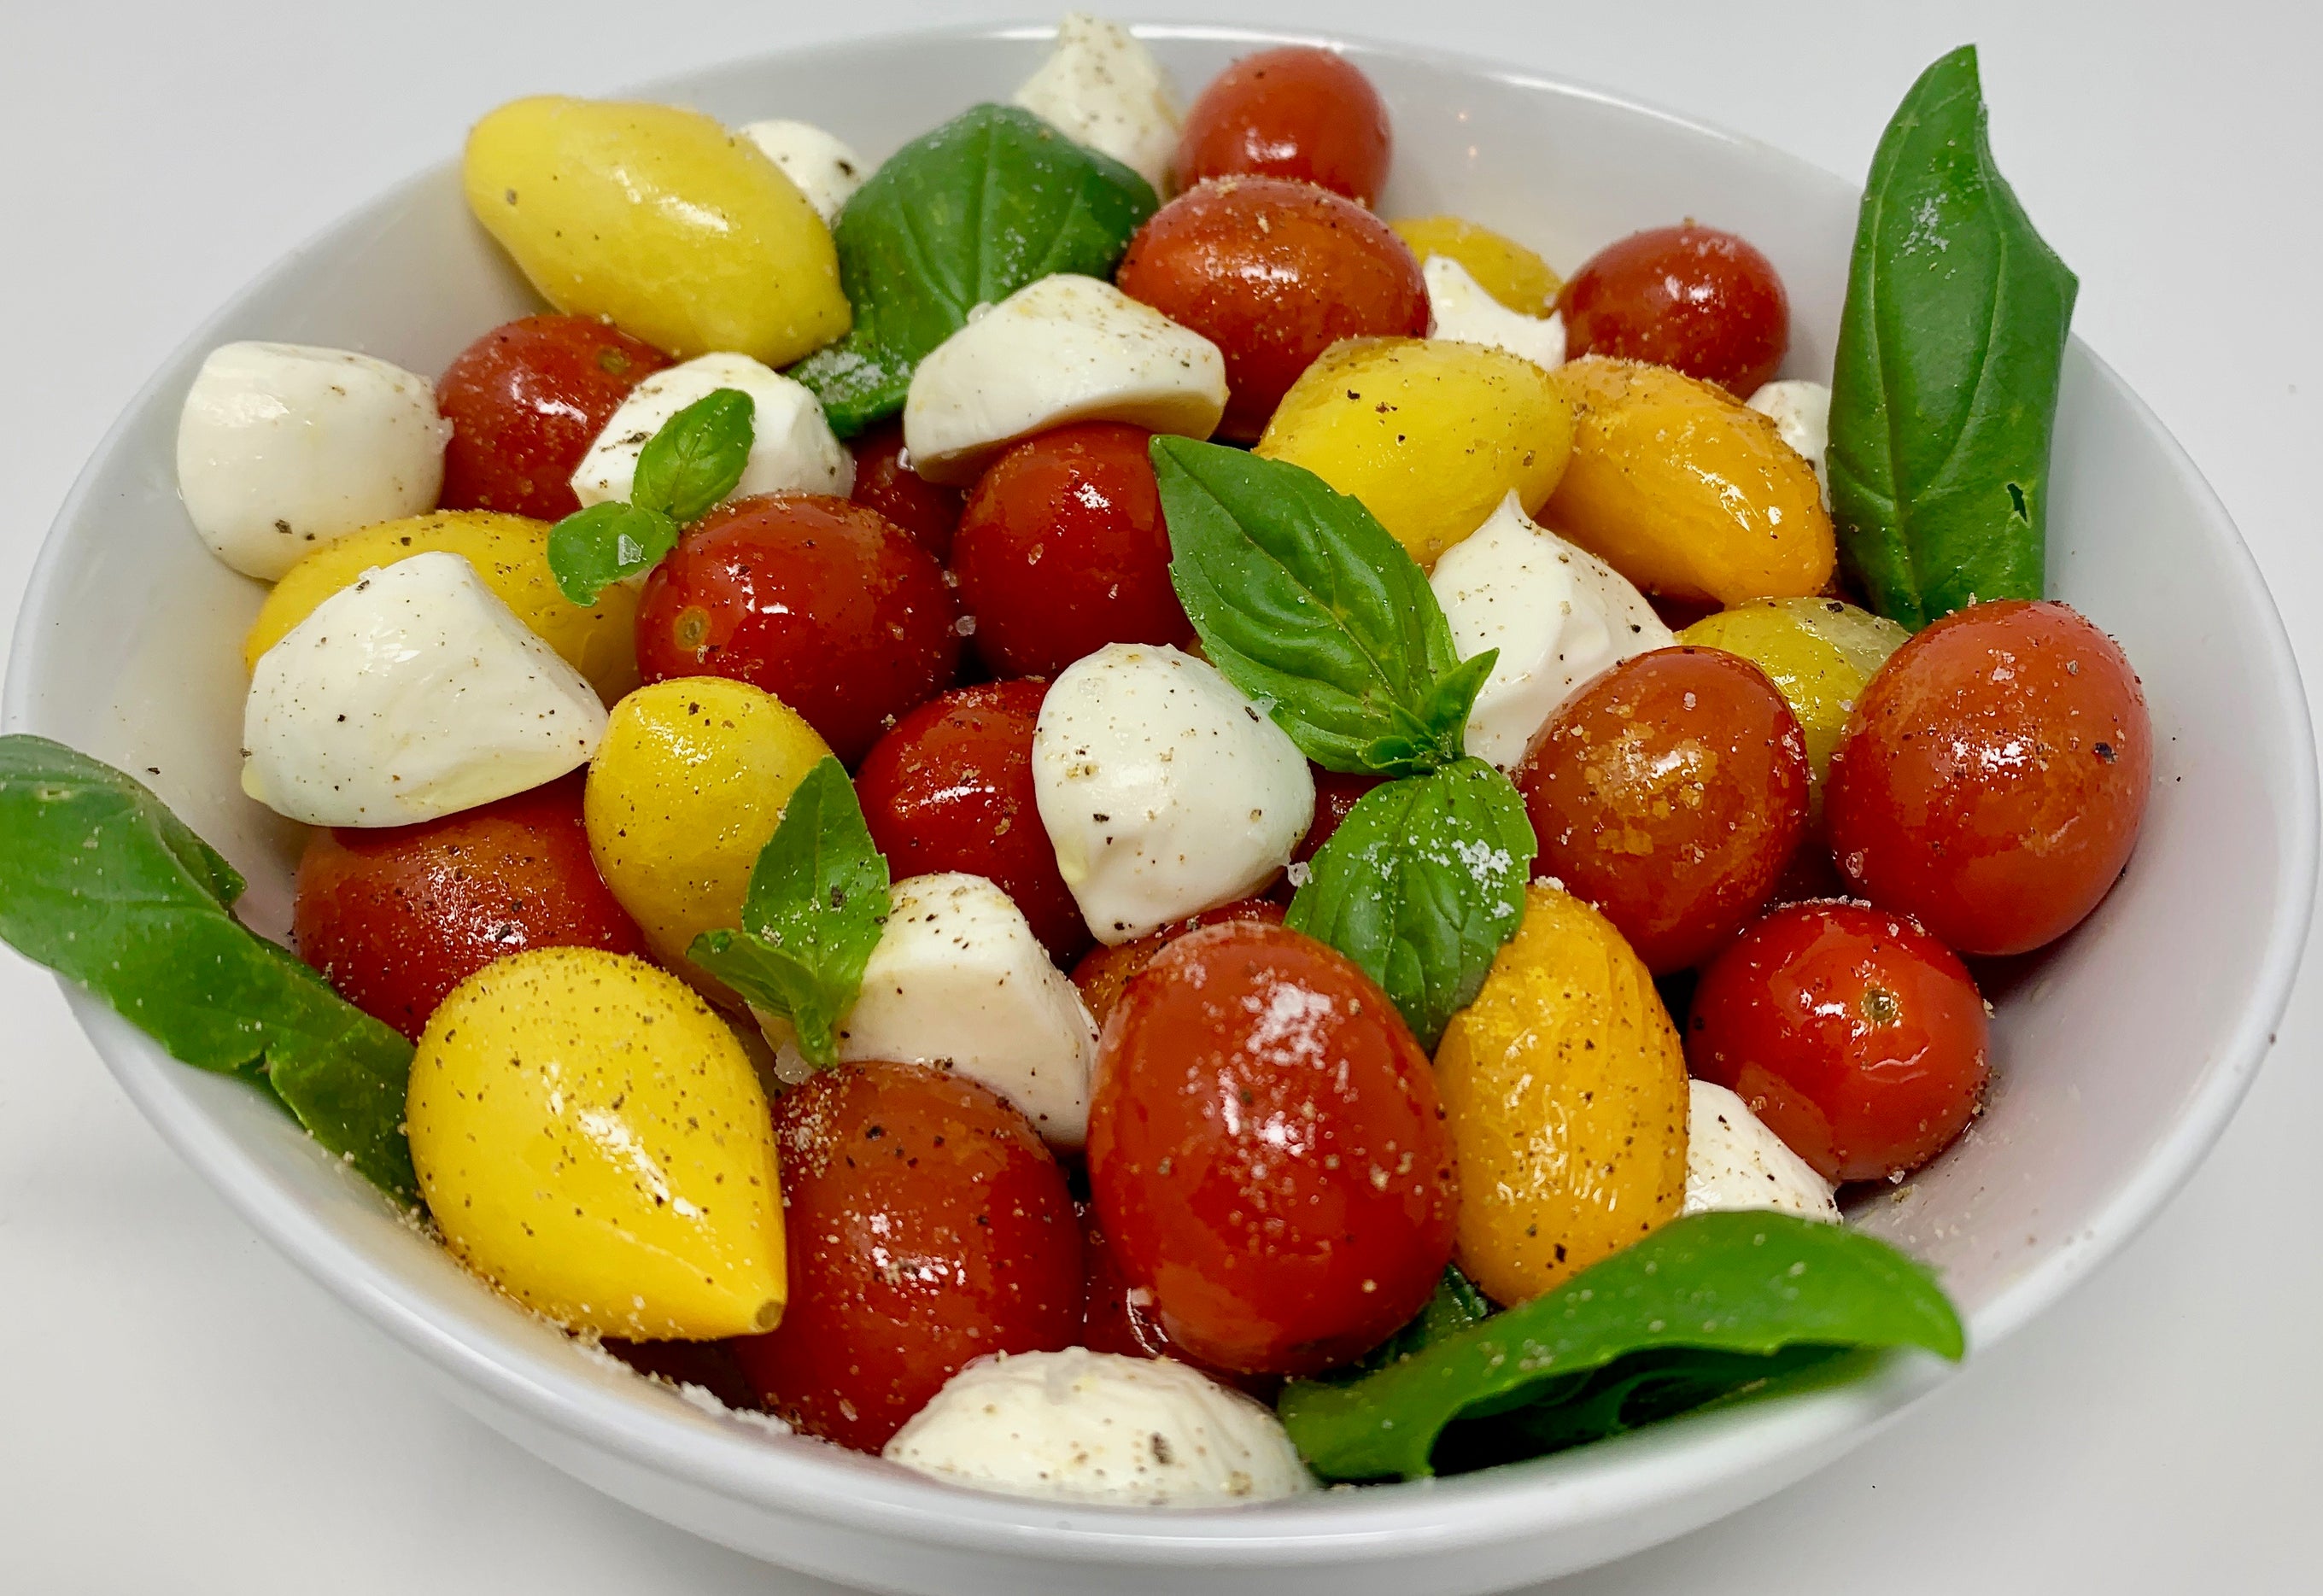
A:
{"x": 2119, "y": 1056}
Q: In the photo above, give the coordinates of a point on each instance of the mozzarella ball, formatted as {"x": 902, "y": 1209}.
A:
{"x": 792, "y": 445}
{"x": 1801, "y": 412}
{"x": 413, "y": 692}
{"x": 282, "y": 448}
{"x": 1461, "y": 309}
{"x": 1100, "y": 87}
{"x": 826, "y": 170}
{"x": 1734, "y": 1161}
{"x": 1079, "y": 1426}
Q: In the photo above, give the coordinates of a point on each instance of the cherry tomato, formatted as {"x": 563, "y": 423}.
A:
{"x": 1268, "y": 1153}
{"x": 1273, "y": 273}
{"x": 525, "y": 401}
{"x": 1692, "y": 298}
{"x": 396, "y": 916}
{"x": 883, "y": 482}
{"x": 1104, "y": 971}
{"x": 1670, "y": 793}
{"x": 831, "y": 608}
{"x": 927, "y": 1227}
{"x": 1120, "y": 1315}
{"x": 951, "y": 788}
{"x": 1993, "y": 777}
{"x": 1297, "y": 112}
{"x": 710, "y": 1364}
{"x": 1859, "y": 1037}
{"x": 1335, "y": 792}
{"x": 1062, "y": 550}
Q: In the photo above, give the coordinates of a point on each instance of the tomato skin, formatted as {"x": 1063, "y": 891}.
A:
{"x": 883, "y": 482}
{"x": 829, "y": 607}
{"x": 1336, "y": 795}
{"x": 1286, "y": 1215}
{"x": 1670, "y": 793}
{"x": 1119, "y": 1316}
{"x": 927, "y": 1227}
{"x": 1062, "y": 549}
{"x": 396, "y": 916}
{"x": 1296, "y": 112}
{"x": 951, "y": 788}
{"x": 1694, "y": 299}
{"x": 1859, "y": 1037}
{"x": 1273, "y": 273}
{"x": 1104, "y": 971}
{"x": 525, "y": 401}
{"x": 1993, "y": 777}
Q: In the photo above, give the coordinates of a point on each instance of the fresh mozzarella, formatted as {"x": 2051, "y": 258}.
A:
{"x": 282, "y": 447}
{"x": 413, "y": 693}
{"x": 1801, "y": 412}
{"x": 1458, "y": 308}
{"x": 791, "y": 446}
{"x": 1101, "y": 87}
{"x": 1734, "y": 1161}
{"x": 826, "y": 170}
{"x": 1164, "y": 790}
{"x": 1558, "y": 614}
{"x": 1079, "y": 1426}
{"x": 1062, "y": 349}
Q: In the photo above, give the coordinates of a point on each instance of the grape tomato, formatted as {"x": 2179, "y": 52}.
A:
{"x": 1297, "y": 112}
{"x": 1694, "y": 299}
{"x": 525, "y": 401}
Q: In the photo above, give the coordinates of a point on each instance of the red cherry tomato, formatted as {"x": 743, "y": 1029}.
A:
{"x": 1104, "y": 971}
{"x": 883, "y": 482}
{"x": 1268, "y": 1153}
{"x": 1273, "y": 273}
{"x": 710, "y": 1364}
{"x": 1062, "y": 550}
{"x": 1993, "y": 777}
{"x": 926, "y": 1227}
{"x": 1335, "y": 792}
{"x": 1119, "y": 1316}
{"x": 829, "y": 607}
{"x": 1692, "y": 298}
{"x": 1853, "y": 1033}
{"x": 395, "y": 917}
{"x": 951, "y": 788}
{"x": 1297, "y": 112}
{"x": 1670, "y": 793}
{"x": 525, "y": 401}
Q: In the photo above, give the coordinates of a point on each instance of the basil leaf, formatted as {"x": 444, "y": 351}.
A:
{"x": 103, "y": 884}
{"x": 992, "y": 200}
{"x": 1305, "y": 602}
{"x": 1702, "y": 1308}
{"x": 817, "y": 900}
{"x": 1456, "y": 1304}
{"x": 697, "y": 458}
{"x": 1420, "y": 884}
{"x": 592, "y": 549}
{"x": 1944, "y": 395}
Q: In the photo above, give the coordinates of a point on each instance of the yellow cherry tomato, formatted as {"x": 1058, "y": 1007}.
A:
{"x": 593, "y": 1140}
{"x": 1821, "y": 652}
{"x": 1504, "y": 268}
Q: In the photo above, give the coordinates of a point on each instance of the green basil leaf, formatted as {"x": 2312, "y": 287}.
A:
{"x": 1711, "y": 1304}
{"x": 1420, "y": 884}
{"x": 1304, "y": 601}
{"x": 103, "y": 884}
{"x": 817, "y": 900}
{"x": 697, "y": 458}
{"x": 592, "y": 549}
{"x": 1456, "y": 1304}
{"x": 1945, "y": 394}
{"x": 992, "y": 200}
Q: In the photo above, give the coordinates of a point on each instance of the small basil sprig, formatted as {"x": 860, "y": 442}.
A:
{"x": 1945, "y": 392}
{"x": 685, "y": 470}
{"x": 817, "y": 900}
{"x": 102, "y": 883}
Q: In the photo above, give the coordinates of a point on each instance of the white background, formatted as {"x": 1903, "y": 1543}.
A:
{"x": 180, "y": 1412}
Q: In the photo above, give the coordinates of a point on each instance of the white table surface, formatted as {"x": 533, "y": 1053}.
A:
{"x": 181, "y": 1412}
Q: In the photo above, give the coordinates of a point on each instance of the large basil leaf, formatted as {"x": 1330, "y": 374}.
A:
{"x": 992, "y": 200}
{"x": 102, "y": 883}
{"x": 1946, "y": 391}
{"x": 1420, "y": 884}
{"x": 1705, "y": 1308}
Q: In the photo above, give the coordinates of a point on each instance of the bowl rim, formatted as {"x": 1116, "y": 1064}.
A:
{"x": 1660, "y": 1465}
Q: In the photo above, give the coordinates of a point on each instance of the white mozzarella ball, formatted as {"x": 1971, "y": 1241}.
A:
{"x": 792, "y": 445}
{"x": 1163, "y": 789}
{"x": 1102, "y": 88}
{"x": 1558, "y": 614}
{"x": 1063, "y": 349}
{"x": 1079, "y": 1426}
{"x": 1734, "y": 1161}
{"x": 1801, "y": 412}
{"x": 412, "y": 693}
{"x": 1460, "y": 308}
{"x": 282, "y": 448}
{"x": 826, "y": 170}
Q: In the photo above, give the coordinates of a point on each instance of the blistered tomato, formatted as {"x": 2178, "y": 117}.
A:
{"x": 829, "y": 607}
{"x": 1297, "y": 112}
{"x": 525, "y": 401}
{"x": 884, "y": 482}
{"x": 1694, "y": 299}
{"x": 1104, "y": 971}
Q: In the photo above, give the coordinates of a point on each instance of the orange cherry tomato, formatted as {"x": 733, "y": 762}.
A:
{"x": 1297, "y": 112}
{"x": 1694, "y": 299}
